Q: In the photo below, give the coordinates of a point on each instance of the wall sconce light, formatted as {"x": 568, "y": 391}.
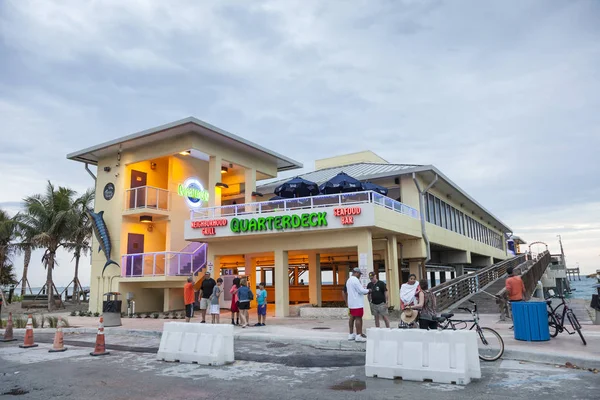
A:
{"x": 147, "y": 219}
{"x": 186, "y": 153}
{"x": 223, "y": 170}
{"x": 222, "y": 185}
{"x": 257, "y": 194}
{"x": 152, "y": 165}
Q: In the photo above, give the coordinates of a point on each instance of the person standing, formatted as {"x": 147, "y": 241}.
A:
{"x": 378, "y": 300}
{"x": 261, "y": 300}
{"x": 188, "y": 299}
{"x": 206, "y": 289}
{"x": 515, "y": 287}
{"x": 235, "y": 311}
{"x": 215, "y": 308}
{"x": 244, "y": 297}
{"x": 426, "y": 307}
{"x": 355, "y": 304}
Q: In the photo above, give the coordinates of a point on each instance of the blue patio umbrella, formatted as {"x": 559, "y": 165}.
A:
{"x": 297, "y": 187}
{"x": 341, "y": 183}
{"x": 374, "y": 187}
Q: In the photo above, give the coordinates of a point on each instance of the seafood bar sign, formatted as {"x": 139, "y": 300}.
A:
{"x": 277, "y": 223}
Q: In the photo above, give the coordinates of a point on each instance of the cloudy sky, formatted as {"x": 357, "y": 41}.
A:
{"x": 503, "y": 96}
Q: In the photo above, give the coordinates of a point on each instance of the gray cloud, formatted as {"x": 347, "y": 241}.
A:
{"x": 501, "y": 97}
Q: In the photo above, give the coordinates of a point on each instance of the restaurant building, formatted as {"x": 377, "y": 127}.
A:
{"x": 183, "y": 197}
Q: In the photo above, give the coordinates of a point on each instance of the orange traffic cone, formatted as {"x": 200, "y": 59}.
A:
{"x": 58, "y": 339}
{"x": 8, "y": 334}
{"x": 100, "y": 349}
{"x": 28, "y": 342}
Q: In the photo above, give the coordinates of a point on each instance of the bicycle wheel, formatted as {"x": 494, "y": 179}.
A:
{"x": 553, "y": 325}
{"x": 575, "y": 323}
{"x": 491, "y": 345}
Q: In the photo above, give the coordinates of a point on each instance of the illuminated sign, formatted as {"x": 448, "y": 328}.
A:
{"x": 347, "y": 214}
{"x": 208, "y": 227}
{"x": 193, "y": 192}
{"x": 306, "y": 220}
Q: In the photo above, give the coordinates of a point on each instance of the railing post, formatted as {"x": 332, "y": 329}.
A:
{"x": 179, "y": 264}
{"x": 154, "y": 265}
{"x": 135, "y": 198}
{"x": 260, "y": 208}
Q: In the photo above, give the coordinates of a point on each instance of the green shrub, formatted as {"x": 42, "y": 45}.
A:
{"x": 73, "y": 313}
{"x": 52, "y": 322}
{"x": 155, "y": 315}
{"x": 82, "y": 313}
{"x": 166, "y": 315}
{"x": 89, "y": 314}
{"x": 19, "y": 323}
{"x": 96, "y": 314}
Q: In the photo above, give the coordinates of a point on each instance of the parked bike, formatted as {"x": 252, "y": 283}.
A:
{"x": 556, "y": 320}
{"x": 491, "y": 346}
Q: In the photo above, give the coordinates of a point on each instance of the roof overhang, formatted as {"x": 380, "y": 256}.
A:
{"x": 91, "y": 155}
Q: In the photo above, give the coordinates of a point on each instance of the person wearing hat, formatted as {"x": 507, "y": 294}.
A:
{"x": 378, "y": 299}
{"x": 206, "y": 290}
{"x": 355, "y": 293}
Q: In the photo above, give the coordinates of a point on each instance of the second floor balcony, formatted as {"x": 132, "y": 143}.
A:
{"x": 147, "y": 200}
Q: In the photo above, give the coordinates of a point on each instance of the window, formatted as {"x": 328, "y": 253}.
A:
{"x": 448, "y": 217}
{"x": 438, "y": 215}
{"x": 452, "y": 219}
{"x": 461, "y": 223}
{"x": 431, "y": 208}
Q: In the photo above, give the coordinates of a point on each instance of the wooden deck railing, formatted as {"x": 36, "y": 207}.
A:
{"x": 531, "y": 273}
{"x": 453, "y": 291}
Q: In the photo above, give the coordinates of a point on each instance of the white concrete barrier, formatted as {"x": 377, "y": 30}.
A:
{"x": 204, "y": 344}
{"x": 417, "y": 355}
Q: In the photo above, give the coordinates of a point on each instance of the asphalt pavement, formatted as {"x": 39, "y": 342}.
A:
{"x": 261, "y": 370}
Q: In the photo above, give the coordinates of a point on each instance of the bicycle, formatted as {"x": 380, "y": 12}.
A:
{"x": 492, "y": 345}
{"x": 556, "y": 322}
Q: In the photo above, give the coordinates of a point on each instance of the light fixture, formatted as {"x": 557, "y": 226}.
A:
{"x": 152, "y": 165}
{"x": 147, "y": 219}
{"x": 186, "y": 153}
{"x": 223, "y": 170}
{"x": 221, "y": 184}
{"x": 257, "y": 194}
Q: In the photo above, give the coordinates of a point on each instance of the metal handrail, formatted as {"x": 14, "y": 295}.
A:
{"x": 169, "y": 256}
{"x": 339, "y": 199}
{"x": 457, "y": 289}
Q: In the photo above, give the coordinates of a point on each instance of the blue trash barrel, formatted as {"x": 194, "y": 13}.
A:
{"x": 530, "y": 320}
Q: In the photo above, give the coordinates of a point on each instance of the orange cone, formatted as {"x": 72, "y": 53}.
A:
{"x": 58, "y": 339}
{"x": 28, "y": 342}
{"x": 100, "y": 349}
{"x": 8, "y": 334}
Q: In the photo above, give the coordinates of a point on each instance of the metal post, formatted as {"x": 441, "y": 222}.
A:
{"x": 154, "y": 265}
{"x": 179, "y": 264}
{"x": 135, "y": 199}
{"x": 432, "y": 278}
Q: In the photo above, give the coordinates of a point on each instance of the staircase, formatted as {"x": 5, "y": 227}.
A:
{"x": 190, "y": 260}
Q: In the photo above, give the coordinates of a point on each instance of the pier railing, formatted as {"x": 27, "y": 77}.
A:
{"x": 453, "y": 291}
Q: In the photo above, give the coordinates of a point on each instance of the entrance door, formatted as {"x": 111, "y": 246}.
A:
{"x": 135, "y": 245}
{"x": 138, "y": 196}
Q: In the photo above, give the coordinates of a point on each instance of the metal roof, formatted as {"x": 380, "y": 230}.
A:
{"x": 91, "y": 155}
{"x": 361, "y": 171}
{"x": 371, "y": 171}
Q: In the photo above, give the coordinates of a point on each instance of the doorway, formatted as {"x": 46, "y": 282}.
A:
{"x": 137, "y": 197}
{"x": 135, "y": 245}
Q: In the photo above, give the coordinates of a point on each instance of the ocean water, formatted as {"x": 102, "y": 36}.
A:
{"x": 584, "y": 289}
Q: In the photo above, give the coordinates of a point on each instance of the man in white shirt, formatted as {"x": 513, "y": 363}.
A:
{"x": 354, "y": 299}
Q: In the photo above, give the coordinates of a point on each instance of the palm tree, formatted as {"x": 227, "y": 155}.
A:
{"x": 7, "y": 275}
{"x": 25, "y": 245}
{"x": 80, "y": 241}
{"x": 51, "y": 217}
{"x": 8, "y": 233}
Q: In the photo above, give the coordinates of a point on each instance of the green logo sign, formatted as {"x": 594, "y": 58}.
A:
{"x": 194, "y": 192}
{"x": 295, "y": 221}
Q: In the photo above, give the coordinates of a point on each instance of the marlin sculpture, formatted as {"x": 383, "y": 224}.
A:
{"x": 101, "y": 232}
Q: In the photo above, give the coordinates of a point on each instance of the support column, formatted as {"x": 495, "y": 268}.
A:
{"x": 166, "y": 299}
{"x": 250, "y": 186}
{"x": 460, "y": 270}
{"x": 452, "y": 275}
{"x": 365, "y": 247}
{"x": 414, "y": 267}
{"x": 334, "y": 272}
{"x": 282, "y": 284}
{"x": 263, "y": 276}
{"x": 314, "y": 279}
{"x": 391, "y": 272}
{"x": 342, "y": 274}
{"x": 214, "y": 176}
{"x": 296, "y": 274}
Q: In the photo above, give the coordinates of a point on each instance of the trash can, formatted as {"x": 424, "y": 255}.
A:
{"x": 111, "y": 309}
{"x": 530, "y": 320}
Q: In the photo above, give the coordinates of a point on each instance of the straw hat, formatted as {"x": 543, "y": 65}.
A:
{"x": 409, "y": 316}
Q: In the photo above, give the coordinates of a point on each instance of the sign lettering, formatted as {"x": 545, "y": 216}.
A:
{"x": 209, "y": 223}
{"x": 279, "y": 223}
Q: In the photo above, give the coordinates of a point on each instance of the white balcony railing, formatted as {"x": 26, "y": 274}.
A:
{"x": 147, "y": 197}
{"x": 327, "y": 200}
{"x": 165, "y": 263}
